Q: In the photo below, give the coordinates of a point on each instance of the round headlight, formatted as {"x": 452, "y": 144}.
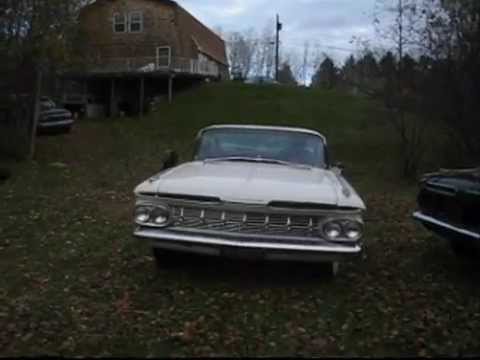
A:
{"x": 152, "y": 215}
{"x": 143, "y": 218}
{"x": 160, "y": 216}
{"x": 142, "y": 214}
{"x": 332, "y": 230}
{"x": 353, "y": 230}
{"x": 160, "y": 220}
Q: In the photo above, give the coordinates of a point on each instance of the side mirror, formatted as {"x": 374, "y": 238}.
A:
{"x": 170, "y": 160}
{"x": 339, "y": 166}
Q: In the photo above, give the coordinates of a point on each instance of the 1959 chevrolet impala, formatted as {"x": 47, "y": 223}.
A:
{"x": 253, "y": 192}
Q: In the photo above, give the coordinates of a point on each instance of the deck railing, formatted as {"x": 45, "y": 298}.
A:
{"x": 152, "y": 64}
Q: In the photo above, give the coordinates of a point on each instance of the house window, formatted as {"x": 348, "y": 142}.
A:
{"x": 136, "y": 22}
{"x": 119, "y": 23}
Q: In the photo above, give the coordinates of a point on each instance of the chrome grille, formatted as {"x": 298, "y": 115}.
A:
{"x": 191, "y": 217}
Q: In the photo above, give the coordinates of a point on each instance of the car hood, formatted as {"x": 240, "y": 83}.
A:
{"x": 254, "y": 183}
{"x": 54, "y": 113}
{"x": 453, "y": 181}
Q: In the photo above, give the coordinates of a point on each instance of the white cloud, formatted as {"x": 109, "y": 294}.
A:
{"x": 326, "y": 23}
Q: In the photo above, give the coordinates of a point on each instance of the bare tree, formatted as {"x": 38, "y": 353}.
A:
{"x": 251, "y": 53}
{"x": 268, "y": 36}
{"x": 265, "y": 59}
{"x": 33, "y": 33}
{"x": 400, "y": 27}
{"x": 452, "y": 35}
{"x": 241, "y": 48}
{"x": 306, "y": 62}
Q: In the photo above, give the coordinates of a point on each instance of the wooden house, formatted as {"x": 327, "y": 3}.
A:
{"x": 133, "y": 48}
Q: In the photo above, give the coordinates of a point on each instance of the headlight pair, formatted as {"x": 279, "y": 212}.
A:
{"x": 152, "y": 215}
{"x": 343, "y": 230}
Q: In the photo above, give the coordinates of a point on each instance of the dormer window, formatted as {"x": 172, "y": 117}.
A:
{"x": 136, "y": 22}
{"x": 119, "y": 23}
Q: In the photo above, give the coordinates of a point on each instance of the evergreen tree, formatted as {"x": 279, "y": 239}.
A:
{"x": 285, "y": 75}
{"x": 327, "y": 75}
{"x": 349, "y": 71}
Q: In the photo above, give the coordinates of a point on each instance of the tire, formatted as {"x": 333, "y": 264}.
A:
{"x": 4, "y": 174}
{"x": 463, "y": 248}
{"x": 329, "y": 270}
{"x": 165, "y": 258}
{"x": 67, "y": 130}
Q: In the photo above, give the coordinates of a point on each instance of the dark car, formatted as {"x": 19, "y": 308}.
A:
{"x": 449, "y": 205}
{"x": 53, "y": 118}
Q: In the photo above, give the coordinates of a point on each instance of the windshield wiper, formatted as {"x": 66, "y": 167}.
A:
{"x": 259, "y": 159}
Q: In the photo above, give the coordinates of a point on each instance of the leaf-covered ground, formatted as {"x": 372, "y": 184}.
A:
{"x": 75, "y": 282}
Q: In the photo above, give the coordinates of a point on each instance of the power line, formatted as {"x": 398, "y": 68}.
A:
{"x": 289, "y": 43}
{"x": 318, "y": 45}
{"x": 326, "y": 47}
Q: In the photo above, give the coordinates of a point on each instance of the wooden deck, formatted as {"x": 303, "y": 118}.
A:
{"x": 141, "y": 69}
{"x": 144, "y": 66}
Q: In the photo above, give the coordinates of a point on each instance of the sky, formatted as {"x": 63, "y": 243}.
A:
{"x": 329, "y": 25}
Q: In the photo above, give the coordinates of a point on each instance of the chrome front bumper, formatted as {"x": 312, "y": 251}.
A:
{"x": 54, "y": 124}
{"x": 217, "y": 245}
{"x": 444, "y": 228}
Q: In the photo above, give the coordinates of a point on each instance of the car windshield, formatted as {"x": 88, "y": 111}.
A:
{"x": 278, "y": 146}
{"x": 47, "y": 104}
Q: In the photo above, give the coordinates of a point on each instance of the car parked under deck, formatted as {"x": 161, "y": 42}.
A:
{"x": 53, "y": 118}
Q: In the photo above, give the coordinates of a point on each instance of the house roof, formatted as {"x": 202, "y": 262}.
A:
{"x": 206, "y": 41}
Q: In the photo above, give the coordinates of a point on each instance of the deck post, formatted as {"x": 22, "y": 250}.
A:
{"x": 85, "y": 100}
{"x": 170, "y": 89}
{"x": 64, "y": 89}
{"x": 142, "y": 95}
{"x": 85, "y": 87}
{"x": 112, "y": 97}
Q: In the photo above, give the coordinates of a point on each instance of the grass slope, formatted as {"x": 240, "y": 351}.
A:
{"x": 74, "y": 281}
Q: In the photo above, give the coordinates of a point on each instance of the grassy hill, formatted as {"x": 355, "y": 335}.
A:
{"x": 74, "y": 281}
{"x": 356, "y": 128}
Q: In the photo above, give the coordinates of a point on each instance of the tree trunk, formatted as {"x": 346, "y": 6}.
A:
{"x": 36, "y": 113}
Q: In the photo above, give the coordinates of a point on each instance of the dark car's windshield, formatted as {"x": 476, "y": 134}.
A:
{"x": 262, "y": 144}
{"x": 46, "y": 104}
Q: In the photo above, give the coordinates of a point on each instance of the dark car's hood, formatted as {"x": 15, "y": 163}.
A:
{"x": 52, "y": 115}
{"x": 454, "y": 179}
{"x": 55, "y": 112}
{"x": 453, "y": 196}
{"x": 475, "y": 172}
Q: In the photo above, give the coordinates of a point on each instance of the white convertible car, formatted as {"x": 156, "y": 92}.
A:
{"x": 253, "y": 192}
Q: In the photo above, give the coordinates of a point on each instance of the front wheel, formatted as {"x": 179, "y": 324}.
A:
{"x": 463, "y": 248}
{"x": 4, "y": 174}
{"x": 165, "y": 258}
{"x": 329, "y": 270}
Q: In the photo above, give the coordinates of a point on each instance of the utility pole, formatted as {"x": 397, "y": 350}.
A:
{"x": 277, "y": 48}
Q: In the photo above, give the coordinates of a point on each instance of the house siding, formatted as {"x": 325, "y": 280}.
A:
{"x": 121, "y": 71}
{"x": 164, "y": 24}
{"x": 102, "y": 42}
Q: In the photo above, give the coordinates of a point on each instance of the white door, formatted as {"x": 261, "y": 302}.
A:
{"x": 164, "y": 57}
